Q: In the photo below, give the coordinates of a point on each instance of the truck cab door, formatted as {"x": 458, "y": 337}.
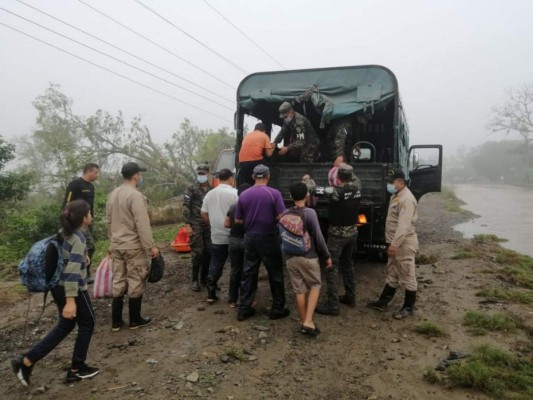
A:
{"x": 425, "y": 169}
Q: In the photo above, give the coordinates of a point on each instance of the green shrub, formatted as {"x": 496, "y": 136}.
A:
{"x": 429, "y": 329}
{"x": 479, "y": 323}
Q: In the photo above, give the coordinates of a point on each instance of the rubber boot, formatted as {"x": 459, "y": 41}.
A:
{"x": 408, "y": 305}
{"x": 384, "y": 299}
{"x": 116, "y": 313}
{"x": 211, "y": 291}
{"x": 136, "y": 321}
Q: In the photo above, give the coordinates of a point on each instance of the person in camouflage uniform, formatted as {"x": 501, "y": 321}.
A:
{"x": 198, "y": 230}
{"x": 303, "y": 140}
{"x": 343, "y": 214}
{"x": 341, "y": 136}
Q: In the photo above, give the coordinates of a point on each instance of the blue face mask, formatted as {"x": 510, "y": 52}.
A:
{"x": 391, "y": 188}
{"x": 140, "y": 183}
{"x": 201, "y": 178}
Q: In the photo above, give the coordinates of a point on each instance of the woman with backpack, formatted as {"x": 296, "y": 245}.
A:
{"x": 72, "y": 300}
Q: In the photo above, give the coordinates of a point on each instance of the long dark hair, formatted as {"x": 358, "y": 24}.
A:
{"x": 72, "y": 216}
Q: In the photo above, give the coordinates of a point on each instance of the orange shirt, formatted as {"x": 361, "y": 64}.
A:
{"x": 253, "y": 146}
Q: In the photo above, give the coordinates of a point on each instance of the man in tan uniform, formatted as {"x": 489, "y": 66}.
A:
{"x": 403, "y": 244}
{"x": 130, "y": 236}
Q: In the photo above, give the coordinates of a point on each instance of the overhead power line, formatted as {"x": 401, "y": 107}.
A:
{"x": 118, "y": 60}
{"x": 192, "y": 37}
{"x": 245, "y": 35}
{"x": 156, "y": 44}
{"x": 124, "y": 51}
{"x": 115, "y": 73}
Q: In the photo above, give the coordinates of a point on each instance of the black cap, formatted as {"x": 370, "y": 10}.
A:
{"x": 131, "y": 168}
{"x": 393, "y": 175}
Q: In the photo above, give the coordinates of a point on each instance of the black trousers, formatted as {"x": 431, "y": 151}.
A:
{"x": 265, "y": 248}
{"x": 85, "y": 321}
{"x": 246, "y": 171}
{"x": 236, "y": 256}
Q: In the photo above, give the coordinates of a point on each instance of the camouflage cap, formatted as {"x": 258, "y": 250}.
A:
{"x": 284, "y": 109}
{"x": 345, "y": 170}
{"x": 393, "y": 175}
{"x": 202, "y": 168}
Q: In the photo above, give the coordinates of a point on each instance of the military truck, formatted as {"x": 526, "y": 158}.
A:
{"x": 378, "y": 145}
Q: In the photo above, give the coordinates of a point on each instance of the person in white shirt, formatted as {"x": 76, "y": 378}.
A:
{"x": 214, "y": 210}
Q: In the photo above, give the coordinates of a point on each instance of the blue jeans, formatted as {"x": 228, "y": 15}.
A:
{"x": 219, "y": 255}
{"x": 265, "y": 248}
{"x": 85, "y": 321}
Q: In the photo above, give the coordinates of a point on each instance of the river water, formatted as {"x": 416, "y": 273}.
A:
{"x": 505, "y": 211}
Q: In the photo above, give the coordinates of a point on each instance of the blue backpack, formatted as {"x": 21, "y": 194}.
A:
{"x": 295, "y": 239}
{"x": 41, "y": 269}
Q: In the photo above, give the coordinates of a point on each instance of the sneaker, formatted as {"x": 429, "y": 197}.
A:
{"x": 403, "y": 313}
{"x": 245, "y": 314}
{"x": 23, "y": 372}
{"x": 141, "y": 323}
{"x": 232, "y": 304}
{"x": 350, "y": 302}
{"x": 279, "y": 314}
{"x": 195, "y": 287}
{"x": 377, "y": 305}
{"x": 117, "y": 326}
{"x": 85, "y": 372}
{"x": 327, "y": 310}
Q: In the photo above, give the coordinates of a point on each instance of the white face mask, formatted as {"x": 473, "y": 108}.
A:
{"x": 391, "y": 188}
{"x": 201, "y": 178}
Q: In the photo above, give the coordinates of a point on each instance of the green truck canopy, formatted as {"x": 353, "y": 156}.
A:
{"x": 335, "y": 92}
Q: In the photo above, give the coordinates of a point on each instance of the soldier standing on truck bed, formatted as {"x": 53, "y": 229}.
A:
{"x": 403, "y": 244}
{"x": 303, "y": 140}
{"x": 343, "y": 213}
{"x": 198, "y": 230}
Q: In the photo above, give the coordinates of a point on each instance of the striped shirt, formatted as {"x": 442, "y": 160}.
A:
{"x": 74, "y": 275}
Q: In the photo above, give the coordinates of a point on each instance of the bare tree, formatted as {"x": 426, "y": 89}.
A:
{"x": 515, "y": 116}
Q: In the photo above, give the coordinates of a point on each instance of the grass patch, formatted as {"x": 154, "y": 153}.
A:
{"x": 463, "y": 255}
{"x": 488, "y": 238}
{"x": 426, "y": 259}
{"x": 518, "y": 268}
{"x": 165, "y": 233}
{"x": 433, "y": 377}
{"x": 453, "y": 207}
{"x": 513, "y": 296}
{"x": 11, "y": 293}
{"x": 235, "y": 353}
{"x": 429, "y": 329}
{"x": 494, "y": 372}
{"x": 479, "y": 323}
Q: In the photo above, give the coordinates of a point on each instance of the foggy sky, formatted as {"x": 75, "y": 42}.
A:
{"x": 453, "y": 59}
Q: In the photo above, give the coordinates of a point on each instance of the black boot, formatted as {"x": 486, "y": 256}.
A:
{"x": 384, "y": 299}
{"x": 347, "y": 300}
{"x": 408, "y": 305}
{"x": 136, "y": 321}
{"x": 116, "y": 313}
{"x": 211, "y": 291}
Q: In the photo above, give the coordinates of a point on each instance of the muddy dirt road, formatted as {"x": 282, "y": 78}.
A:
{"x": 193, "y": 350}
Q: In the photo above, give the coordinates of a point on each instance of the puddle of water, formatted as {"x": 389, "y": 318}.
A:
{"x": 505, "y": 211}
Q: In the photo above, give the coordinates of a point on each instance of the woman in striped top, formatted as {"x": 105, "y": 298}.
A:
{"x": 72, "y": 300}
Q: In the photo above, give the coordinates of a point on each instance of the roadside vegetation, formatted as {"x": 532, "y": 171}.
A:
{"x": 491, "y": 370}
{"x": 479, "y": 323}
{"x": 429, "y": 329}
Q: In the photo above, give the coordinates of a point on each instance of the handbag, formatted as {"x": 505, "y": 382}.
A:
{"x": 157, "y": 269}
{"x": 103, "y": 280}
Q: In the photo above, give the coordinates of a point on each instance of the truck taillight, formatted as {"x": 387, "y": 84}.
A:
{"x": 361, "y": 219}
